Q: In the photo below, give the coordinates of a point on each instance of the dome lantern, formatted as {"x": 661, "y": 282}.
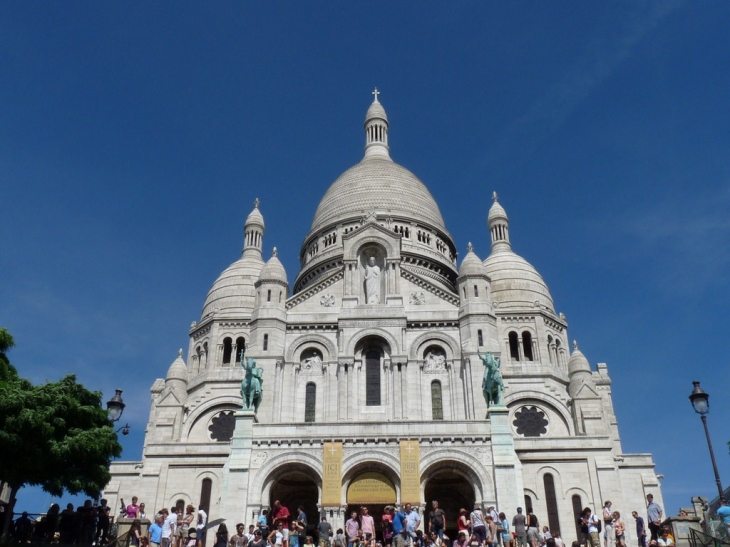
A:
{"x": 376, "y": 130}
{"x": 254, "y": 231}
{"x": 498, "y": 225}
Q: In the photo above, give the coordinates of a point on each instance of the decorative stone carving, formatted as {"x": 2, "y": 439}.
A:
{"x": 372, "y": 282}
{"x": 221, "y": 426}
{"x": 311, "y": 365}
{"x": 530, "y": 421}
{"x": 327, "y": 300}
{"x": 418, "y": 298}
{"x": 435, "y": 362}
{"x": 259, "y": 458}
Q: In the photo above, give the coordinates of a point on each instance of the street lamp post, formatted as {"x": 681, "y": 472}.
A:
{"x": 701, "y": 403}
{"x": 115, "y": 408}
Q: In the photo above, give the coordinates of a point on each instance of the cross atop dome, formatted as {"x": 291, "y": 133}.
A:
{"x": 376, "y": 130}
{"x": 375, "y": 94}
{"x": 256, "y": 203}
{"x": 495, "y": 197}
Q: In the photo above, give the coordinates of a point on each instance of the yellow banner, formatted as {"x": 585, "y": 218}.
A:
{"x": 331, "y": 474}
{"x": 371, "y": 487}
{"x": 410, "y": 476}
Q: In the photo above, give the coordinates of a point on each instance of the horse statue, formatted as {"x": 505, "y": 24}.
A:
{"x": 252, "y": 384}
{"x": 492, "y": 384}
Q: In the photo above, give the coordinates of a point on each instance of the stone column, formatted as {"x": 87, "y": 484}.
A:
{"x": 508, "y": 484}
{"x": 234, "y": 491}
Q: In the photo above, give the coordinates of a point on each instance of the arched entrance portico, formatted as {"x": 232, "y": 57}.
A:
{"x": 294, "y": 486}
{"x": 453, "y": 489}
{"x": 373, "y": 485}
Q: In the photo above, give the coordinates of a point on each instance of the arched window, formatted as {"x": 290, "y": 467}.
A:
{"x": 550, "y": 348}
{"x": 552, "y": 503}
{"x": 180, "y": 505}
{"x": 266, "y": 342}
{"x": 268, "y": 295}
{"x": 205, "y": 490}
{"x": 527, "y": 347}
{"x": 514, "y": 346}
{"x": 577, "y": 510}
{"x": 476, "y": 291}
{"x": 528, "y": 503}
{"x": 227, "y": 350}
{"x": 310, "y": 402}
{"x": 480, "y": 338}
{"x": 240, "y": 345}
{"x": 437, "y": 407}
{"x": 372, "y": 378}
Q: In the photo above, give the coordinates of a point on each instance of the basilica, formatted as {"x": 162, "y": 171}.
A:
{"x": 372, "y": 365}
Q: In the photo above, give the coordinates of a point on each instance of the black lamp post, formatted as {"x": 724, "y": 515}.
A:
{"x": 115, "y": 408}
{"x": 701, "y": 403}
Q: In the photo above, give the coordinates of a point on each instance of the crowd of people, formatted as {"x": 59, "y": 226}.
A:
{"x": 92, "y": 524}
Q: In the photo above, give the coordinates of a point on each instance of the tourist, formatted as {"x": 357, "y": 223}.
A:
{"x": 462, "y": 540}
{"x": 640, "y": 529}
{"x": 503, "y": 530}
{"x": 533, "y": 529}
{"x": 339, "y": 539}
{"x": 302, "y": 525}
{"x": 168, "y": 527}
{"x": 262, "y": 523}
{"x": 520, "y": 525}
{"x": 352, "y": 527}
{"x": 276, "y": 537}
{"x": 192, "y": 538}
{"x": 221, "y": 536}
{"x": 155, "y": 531}
{"x": 413, "y": 521}
{"x": 591, "y": 526}
{"x": 724, "y": 513}
{"x": 400, "y": 536}
{"x": 665, "y": 540}
{"x": 654, "y": 516}
{"x": 251, "y": 534}
{"x": 141, "y": 513}
{"x": 387, "y": 524}
{"x": 463, "y": 523}
{"x": 294, "y": 531}
{"x": 23, "y": 528}
{"x": 609, "y": 534}
{"x": 132, "y": 511}
{"x": 437, "y": 519}
{"x": 324, "y": 530}
{"x": 135, "y": 532}
{"x": 546, "y": 535}
{"x": 258, "y": 539}
{"x": 239, "y": 539}
{"x": 103, "y": 522}
{"x": 201, "y": 529}
{"x": 619, "y": 529}
{"x": 558, "y": 540}
{"x": 367, "y": 524}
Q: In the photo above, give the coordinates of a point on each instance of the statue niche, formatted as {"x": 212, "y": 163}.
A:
{"x": 372, "y": 268}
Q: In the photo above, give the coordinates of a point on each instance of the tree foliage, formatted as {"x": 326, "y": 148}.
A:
{"x": 56, "y": 435}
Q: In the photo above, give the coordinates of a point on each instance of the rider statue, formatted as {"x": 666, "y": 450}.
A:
{"x": 252, "y": 384}
{"x": 492, "y": 384}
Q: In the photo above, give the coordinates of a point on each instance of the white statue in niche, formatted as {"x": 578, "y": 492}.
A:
{"x": 312, "y": 365}
{"x": 434, "y": 361}
{"x": 372, "y": 282}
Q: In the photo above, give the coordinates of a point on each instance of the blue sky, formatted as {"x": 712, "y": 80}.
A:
{"x": 135, "y": 137}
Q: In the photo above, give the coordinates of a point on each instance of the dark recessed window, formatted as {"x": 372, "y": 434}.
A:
{"x": 372, "y": 378}
{"x": 530, "y": 421}
{"x": 221, "y": 427}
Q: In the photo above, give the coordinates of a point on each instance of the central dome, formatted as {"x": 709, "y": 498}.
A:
{"x": 380, "y": 185}
{"x": 377, "y": 184}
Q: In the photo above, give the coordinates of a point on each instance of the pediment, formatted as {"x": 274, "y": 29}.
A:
{"x": 170, "y": 399}
{"x": 586, "y": 392}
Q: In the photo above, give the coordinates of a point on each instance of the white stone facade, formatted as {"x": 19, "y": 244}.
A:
{"x": 369, "y": 374}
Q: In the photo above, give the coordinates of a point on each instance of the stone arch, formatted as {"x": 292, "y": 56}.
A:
{"x": 533, "y": 495}
{"x": 329, "y": 351}
{"x": 371, "y": 239}
{"x": 219, "y": 403}
{"x": 463, "y": 464}
{"x": 512, "y": 399}
{"x": 280, "y": 465}
{"x": 172, "y": 500}
{"x": 420, "y": 343}
{"x": 374, "y": 332}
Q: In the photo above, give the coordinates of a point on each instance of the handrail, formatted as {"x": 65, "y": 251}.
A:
{"x": 697, "y": 538}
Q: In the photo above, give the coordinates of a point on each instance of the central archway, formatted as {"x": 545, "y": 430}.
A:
{"x": 453, "y": 491}
{"x": 374, "y": 491}
{"x": 293, "y": 488}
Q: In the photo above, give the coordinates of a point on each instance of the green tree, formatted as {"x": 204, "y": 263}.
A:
{"x": 56, "y": 435}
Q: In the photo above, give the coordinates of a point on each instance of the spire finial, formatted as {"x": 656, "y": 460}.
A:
{"x": 375, "y": 94}
{"x": 179, "y": 353}
{"x": 256, "y": 203}
{"x": 470, "y": 247}
{"x": 275, "y": 252}
{"x": 575, "y": 344}
{"x": 495, "y": 197}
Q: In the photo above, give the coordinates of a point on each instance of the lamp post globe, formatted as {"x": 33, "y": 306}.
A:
{"x": 699, "y": 399}
{"x": 701, "y": 403}
{"x": 115, "y": 406}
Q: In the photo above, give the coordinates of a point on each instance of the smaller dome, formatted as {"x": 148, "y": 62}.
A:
{"x": 255, "y": 216}
{"x": 515, "y": 282}
{"x": 471, "y": 265}
{"x": 273, "y": 270}
{"x": 376, "y": 110}
{"x": 578, "y": 362}
{"x": 496, "y": 211}
{"x": 177, "y": 370}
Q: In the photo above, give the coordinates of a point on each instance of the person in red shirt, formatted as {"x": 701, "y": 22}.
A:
{"x": 280, "y": 514}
